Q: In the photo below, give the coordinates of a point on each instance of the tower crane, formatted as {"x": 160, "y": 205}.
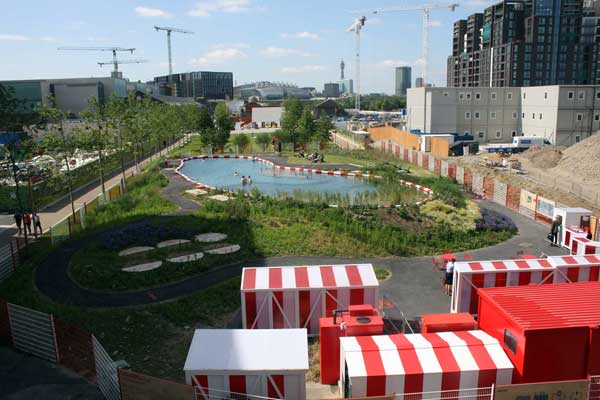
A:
{"x": 169, "y": 30}
{"x": 356, "y": 27}
{"x": 425, "y": 8}
{"x": 114, "y": 50}
{"x": 122, "y": 62}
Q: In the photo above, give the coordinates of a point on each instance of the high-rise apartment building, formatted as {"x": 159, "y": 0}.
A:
{"x": 402, "y": 81}
{"x": 526, "y": 43}
{"x": 201, "y": 84}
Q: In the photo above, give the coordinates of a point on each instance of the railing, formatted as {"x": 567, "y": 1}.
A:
{"x": 215, "y": 394}
{"x": 107, "y": 372}
{"x": 11, "y": 256}
{"x": 485, "y": 393}
{"x": 33, "y": 332}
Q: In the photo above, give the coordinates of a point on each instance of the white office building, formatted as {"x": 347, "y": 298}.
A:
{"x": 562, "y": 114}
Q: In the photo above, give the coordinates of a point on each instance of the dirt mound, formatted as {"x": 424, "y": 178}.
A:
{"x": 544, "y": 157}
{"x": 581, "y": 161}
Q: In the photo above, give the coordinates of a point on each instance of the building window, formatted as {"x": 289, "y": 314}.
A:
{"x": 492, "y": 115}
{"x": 498, "y": 134}
{"x": 598, "y": 95}
{"x": 515, "y": 115}
{"x": 533, "y": 116}
{"x": 509, "y": 96}
{"x": 469, "y": 96}
{"x": 579, "y": 117}
{"x": 523, "y": 115}
{"x": 581, "y": 95}
{"x": 461, "y": 95}
{"x": 524, "y": 95}
{"x": 476, "y": 115}
{"x": 513, "y": 133}
{"x": 545, "y": 95}
{"x": 445, "y": 94}
{"x": 597, "y": 117}
{"x": 570, "y": 95}
{"x": 493, "y": 95}
{"x": 510, "y": 341}
{"x": 480, "y": 134}
{"x": 577, "y": 138}
{"x": 467, "y": 115}
{"x": 540, "y": 115}
{"x": 477, "y": 96}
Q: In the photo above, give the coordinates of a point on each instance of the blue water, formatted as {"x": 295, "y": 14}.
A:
{"x": 219, "y": 173}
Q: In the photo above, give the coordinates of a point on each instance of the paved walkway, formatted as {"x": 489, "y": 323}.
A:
{"x": 25, "y": 377}
{"x": 414, "y": 286}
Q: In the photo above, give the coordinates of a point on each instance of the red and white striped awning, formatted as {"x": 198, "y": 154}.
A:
{"x": 503, "y": 265}
{"x": 431, "y": 362}
{"x": 309, "y": 277}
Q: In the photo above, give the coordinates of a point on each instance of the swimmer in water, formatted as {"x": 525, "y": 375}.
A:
{"x": 243, "y": 180}
{"x": 235, "y": 173}
{"x": 249, "y": 180}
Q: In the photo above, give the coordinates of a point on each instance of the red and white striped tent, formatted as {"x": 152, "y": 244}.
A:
{"x": 296, "y": 297}
{"x": 235, "y": 363}
{"x": 576, "y": 268}
{"x": 417, "y": 363}
{"x": 470, "y": 276}
{"x": 581, "y": 246}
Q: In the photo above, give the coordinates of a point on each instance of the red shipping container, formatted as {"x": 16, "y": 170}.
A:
{"x": 431, "y": 323}
{"x": 550, "y": 332}
{"x": 359, "y": 320}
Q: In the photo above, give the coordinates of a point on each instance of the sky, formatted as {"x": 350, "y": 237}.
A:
{"x": 300, "y": 42}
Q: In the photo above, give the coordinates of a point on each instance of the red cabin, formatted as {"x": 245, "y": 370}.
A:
{"x": 550, "y": 332}
{"x": 431, "y": 323}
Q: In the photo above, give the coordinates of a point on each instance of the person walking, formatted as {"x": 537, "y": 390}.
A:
{"x": 18, "y": 220}
{"x": 36, "y": 224}
{"x": 555, "y": 230}
{"x": 27, "y": 223}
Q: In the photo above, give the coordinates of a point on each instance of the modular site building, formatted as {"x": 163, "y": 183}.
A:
{"x": 549, "y": 332}
{"x": 249, "y": 364}
{"x": 470, "y": 276}
{"x": 296, "y": 297}
{"x": 416, "y": 363}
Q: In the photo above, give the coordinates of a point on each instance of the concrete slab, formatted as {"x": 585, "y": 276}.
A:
{"x": 210, "y": 237}
{"x": 172, "y": 242}
{"x": 196, "y": 192}
{"x": 318, "y": 391}
{"x": 225, "y": 250}
{"x": 143, "y": 267}
{"x": 219, "y": 197}
{"x": 135, "y": 250}
{"x": 186, "y": 258}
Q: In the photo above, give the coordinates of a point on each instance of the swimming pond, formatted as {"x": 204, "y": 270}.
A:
{"x": 227, "y": 173}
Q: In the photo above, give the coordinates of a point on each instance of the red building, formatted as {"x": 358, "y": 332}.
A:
{"x": 549, "y": 332}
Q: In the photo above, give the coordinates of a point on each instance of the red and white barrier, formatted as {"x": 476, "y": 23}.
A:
{"x": 296, "y": 297}
{"x": 581, "y": 246}
{"x": 576, "y": 268}
{"x": 431, "y": 362}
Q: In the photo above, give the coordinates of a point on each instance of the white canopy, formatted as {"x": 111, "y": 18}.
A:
{"x": 248, "y": 350}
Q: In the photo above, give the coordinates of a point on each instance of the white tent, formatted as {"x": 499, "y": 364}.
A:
{"x": 269, "y": 363}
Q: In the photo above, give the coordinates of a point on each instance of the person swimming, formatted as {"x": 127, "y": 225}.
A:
{"x": 249, "y": 180}
{"x": 244, "y": 180}
{"x": 235, "y": 173}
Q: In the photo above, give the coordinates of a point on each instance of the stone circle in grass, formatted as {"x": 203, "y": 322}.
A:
{"x": 172, "y": 242}
{"x": 210, "y": 237}
{"x": 225, "y": 250}
{"x": 143, "y": 267}
{"x": 186, "y": 258}
{"x": 135, "y": 250}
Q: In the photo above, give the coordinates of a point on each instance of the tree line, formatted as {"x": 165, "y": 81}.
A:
{"x": 375, "y": 102}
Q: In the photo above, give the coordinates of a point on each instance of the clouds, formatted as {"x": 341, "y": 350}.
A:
{"x": 303, "y": 69}
{"x": 151, "y": 12}
{"x": 13, "y": 38}
{"x": 274, "y": 52}
{"x": 392, "y": 63}
{"x": 301, "y": 35}
{"x": 206, "y": 8}
{"x": 218, "y": 56}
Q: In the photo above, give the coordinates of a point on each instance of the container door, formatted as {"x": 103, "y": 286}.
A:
{"x": 594, "y": 353}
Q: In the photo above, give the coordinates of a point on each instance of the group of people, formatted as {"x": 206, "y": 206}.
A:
{"x": 246, "y": 180}
{"x": 314, "y": 157}
{"x": 24, "y": 221}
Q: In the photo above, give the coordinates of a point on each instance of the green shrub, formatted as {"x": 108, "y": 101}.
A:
{"x": 450, "y": 217}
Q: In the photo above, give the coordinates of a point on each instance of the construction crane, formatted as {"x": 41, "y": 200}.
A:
{"x": 114, "y": 50}
{"x": 356, "y": 27}
{"x": 122, "y": 62}
{"x": 425, "y": 8}
{"x": 169, "y": 30}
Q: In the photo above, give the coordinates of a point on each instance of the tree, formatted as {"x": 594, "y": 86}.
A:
{"x": 306, "y": 126}
{"x": 95, "y": 135}
{"x": 223, "y": 125}
{"x": 324, "y": 125}
{"x": 241, "y": 141}
{"x": 116, "y": 110}
{"x": 290, "y": 119}
{"x": 263, "y": 139}
{"x": 204, "y": 120}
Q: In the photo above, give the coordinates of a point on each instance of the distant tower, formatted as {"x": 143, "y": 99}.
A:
{"x": 342, "y": 65}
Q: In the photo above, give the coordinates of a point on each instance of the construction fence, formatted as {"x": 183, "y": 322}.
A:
{"x": 12, "y": 255}
{"x": 520, "y": 200}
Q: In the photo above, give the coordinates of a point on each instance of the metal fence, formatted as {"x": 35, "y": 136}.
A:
{"x": 215, "y": 394}
{"x": 486, "y": 393}
{"x": 7, "y": 261}
{"x": 107, "y": 372}
{"x": 33, "y": 332}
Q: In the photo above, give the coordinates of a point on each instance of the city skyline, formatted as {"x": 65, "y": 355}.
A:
{"x": 256, "y": 40}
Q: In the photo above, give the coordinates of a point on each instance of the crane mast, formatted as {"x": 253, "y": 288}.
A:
{"x": 169, "y": 30}
{"x": 356, "y": 27}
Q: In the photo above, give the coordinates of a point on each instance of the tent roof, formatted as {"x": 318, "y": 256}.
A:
{"x": 248, "y": 350}
{"x": 504, "y": 265}
{"x": 307, "y": 277}
{"x": 394, "y": 355}
{"x": 574, "y": 261}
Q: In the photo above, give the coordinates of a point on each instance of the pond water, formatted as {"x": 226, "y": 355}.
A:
{"x": 221, "y": 173}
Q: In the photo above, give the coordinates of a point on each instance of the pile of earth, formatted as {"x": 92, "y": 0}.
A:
{"x": 543, "y": 157}
{"x": 581, "y": 162}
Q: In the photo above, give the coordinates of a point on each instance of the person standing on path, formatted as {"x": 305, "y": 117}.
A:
{"x": 27, "y": 223}
{"x": 18, "y": 219}
{"x": 555, "y": 229}
{"x": 36, "y": 223}
{"x": 449, "y": 277}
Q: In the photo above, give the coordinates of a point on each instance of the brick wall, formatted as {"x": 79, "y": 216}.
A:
{"x": 468, "y": 179}
{"x": 451, "y": 171}
{"x": 513, "y": 197}
{"x": 438, "y": 166}
{"x": 488, "y": 185}
{"x": 405, "y": 155}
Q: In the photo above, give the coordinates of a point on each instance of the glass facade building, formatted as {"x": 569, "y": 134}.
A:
{"x": 403, "y": 80}
{"x": 200, "y": 84}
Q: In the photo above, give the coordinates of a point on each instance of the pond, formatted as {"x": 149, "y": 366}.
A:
{"x": 226, "y": 173}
